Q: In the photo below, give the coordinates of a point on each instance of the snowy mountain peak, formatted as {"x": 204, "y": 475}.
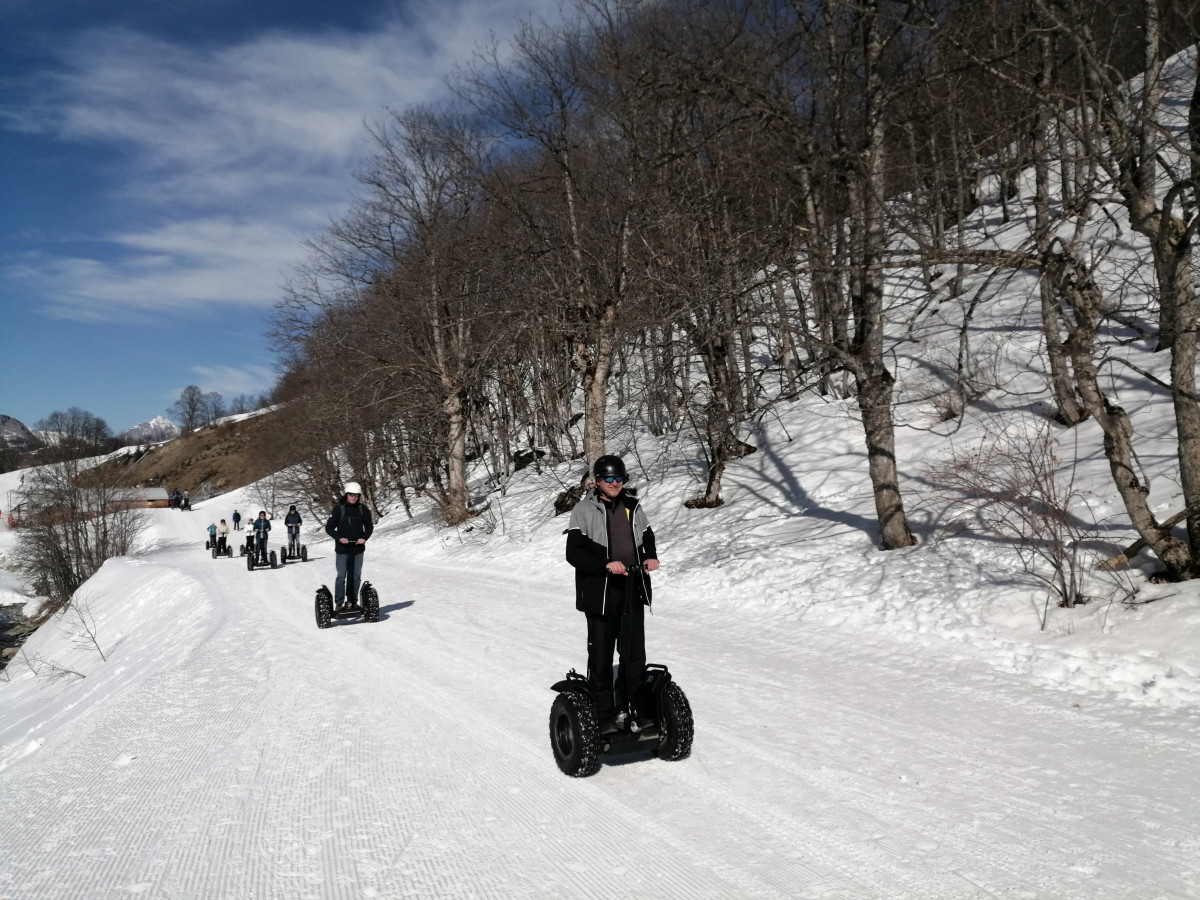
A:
{"x": 157, "y": 429}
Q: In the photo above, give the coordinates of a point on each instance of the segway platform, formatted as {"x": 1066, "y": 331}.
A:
{"x": 253, "y": 559}
{"x": 660, "y": 722}
{"x": 284, "y": 556}
{"x": 367, "y": 607}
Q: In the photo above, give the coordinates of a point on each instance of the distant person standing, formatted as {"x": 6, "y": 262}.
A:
{"x": 237, "y": 520}
{"x": 349, "y": 525}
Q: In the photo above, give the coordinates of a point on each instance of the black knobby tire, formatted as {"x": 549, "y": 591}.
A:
{"x": 303, "y": 553}
{"x": 273, "y": 561}
{"x": 677, "y": 725}
{"x": 575, "y": 734}
{"x": 324, "y": 610}
{"x": 249, "y": 562}
{"x": 214, "y": 552}
{"x": 370, "y": 603}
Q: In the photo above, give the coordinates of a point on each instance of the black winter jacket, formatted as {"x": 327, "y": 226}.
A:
{"x": 597, "y": 591}
{"x": 350, "y": 521}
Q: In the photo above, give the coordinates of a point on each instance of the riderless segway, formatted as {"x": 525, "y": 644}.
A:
{"x": 656, "y": 716}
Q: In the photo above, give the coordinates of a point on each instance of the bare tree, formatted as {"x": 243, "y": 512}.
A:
{"x": 73, "y": 520}
{"x": 212, "y": 407}
{"x": 1020, "y": 489}
{"x": 189, "y": 410}
{"x": 76, "y": 433}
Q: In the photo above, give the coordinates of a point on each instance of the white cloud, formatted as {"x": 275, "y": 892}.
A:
{"x": 239, "y": 149}
{"x": 171, "y": 270}
{"x": 230, "y": 381}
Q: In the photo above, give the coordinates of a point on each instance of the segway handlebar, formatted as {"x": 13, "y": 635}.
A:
{"x": 635, "y": 570}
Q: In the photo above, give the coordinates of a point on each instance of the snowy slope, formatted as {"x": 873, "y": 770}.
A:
{"x": 882, "y": 725}
{"x": 892, "y": 726}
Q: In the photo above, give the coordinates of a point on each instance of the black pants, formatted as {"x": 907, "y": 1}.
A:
{"x": 604, "y": 636}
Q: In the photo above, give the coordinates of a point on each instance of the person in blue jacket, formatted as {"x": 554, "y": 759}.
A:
{"x": 262, "y": 527}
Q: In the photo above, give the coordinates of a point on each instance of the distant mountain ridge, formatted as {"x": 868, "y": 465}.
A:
{"x": 155, "y": 431}
{"x": 14, "y": 433}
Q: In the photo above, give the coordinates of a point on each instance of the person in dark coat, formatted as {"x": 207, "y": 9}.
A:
{"x": 609, "y": 533}
{"x": 350, "y": 526}
{"x": 262, "y": 528}
{"x": 293, "y": 522}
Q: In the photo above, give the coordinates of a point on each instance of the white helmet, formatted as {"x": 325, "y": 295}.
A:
{"x": 352, "y": 487}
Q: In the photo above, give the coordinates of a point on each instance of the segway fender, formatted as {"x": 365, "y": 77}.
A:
{"x": 573, "y": 682}
{"x": 650, "y": 691}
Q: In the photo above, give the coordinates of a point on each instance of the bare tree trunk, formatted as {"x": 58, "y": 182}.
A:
{"x": 1083, "y": 297}
{"x": 875, "y": 382}
{"x": 1069, "y": 410}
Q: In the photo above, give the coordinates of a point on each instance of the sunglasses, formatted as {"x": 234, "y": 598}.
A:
{"x": 613, "y": 479}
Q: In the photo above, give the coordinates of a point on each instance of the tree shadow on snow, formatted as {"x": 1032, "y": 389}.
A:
{"x": 785, "y": 482}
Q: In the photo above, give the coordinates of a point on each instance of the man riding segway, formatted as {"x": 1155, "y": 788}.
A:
{"x": 611, "y": 545}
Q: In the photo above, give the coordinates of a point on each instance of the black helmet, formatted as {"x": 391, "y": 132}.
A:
{"x": 292, "y": 508}
{"x": 610, "y": 465}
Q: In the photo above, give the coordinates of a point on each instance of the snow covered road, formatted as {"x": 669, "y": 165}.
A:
{"x": 230, "y": 749}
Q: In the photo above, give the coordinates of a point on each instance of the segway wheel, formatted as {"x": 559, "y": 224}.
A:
{"x": 677, "y": 727}
{"x": 274, "y": 562}
{"x": 575, "y": 734}
{"x": 249, "y": 563}
{"x": 303, "y": 553}
{"x": 214, "y": 552}
{"x": 229, "y": 552}
{"x": 207, "y": 544}
{"x": 324, "y": 606}
{"x": 369, "y": 599}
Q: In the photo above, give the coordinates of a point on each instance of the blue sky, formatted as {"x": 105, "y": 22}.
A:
{"x": 161, "y": 164}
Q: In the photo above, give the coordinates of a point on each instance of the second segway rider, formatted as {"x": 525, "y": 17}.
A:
{"x": 222, "y": 536}
{"x": 350, "y": 526}
{"x": 608, "y": 533}
{"x": 293, "y": 521}
{"x": 262, "y": 527}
